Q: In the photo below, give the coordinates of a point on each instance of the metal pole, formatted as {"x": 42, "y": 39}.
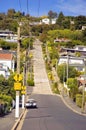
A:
{"x": 67, "y": 63}
{"x": 18, "y": 72}
{"x": 23, "y": 96}
{"x": 56, "y": 65}
{"x": 67, "y": 70}
{"x": 63, "y": 80}
{"x": 83, "y": 94}
{"x": 23, "y": 99}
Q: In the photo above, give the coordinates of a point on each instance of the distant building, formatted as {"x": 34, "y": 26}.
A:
{"x": 80, "y": 48}
{"x": 83, "y": 27}
{"x": 8, "y": 36}
{"x": 7, "y": 63}
{"x": 81, "y": 82}
{"x": 77, "y": 62}
{"x": 48, "y": 21}
{"x": 45, "y": 21}
{"x": 62, "y": 40}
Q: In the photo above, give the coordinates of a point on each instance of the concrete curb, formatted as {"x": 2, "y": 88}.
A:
{"x": 71, "y": 107}
{"x": 18, "y": 121}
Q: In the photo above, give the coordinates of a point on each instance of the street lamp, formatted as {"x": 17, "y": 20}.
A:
{"x": 83, "y": 94}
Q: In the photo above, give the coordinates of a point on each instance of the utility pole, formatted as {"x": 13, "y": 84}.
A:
{"x": 18, "y": 72}
{"x": 67, "y": 63}
{"x": 83, "y": 94}
{"x": 67, "y": 70}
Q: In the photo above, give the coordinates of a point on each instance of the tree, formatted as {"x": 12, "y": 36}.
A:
{"x": 60, "y": 19}
{"x": 27, "y": 42}
{"x": 72, "y": 84}
{"x": 84, "y": 35}
{"x": 80, "y": 21}
{"x": 11, "y": 13}
{"x": 62, "y": 69}
{"x": 52, "y": 14}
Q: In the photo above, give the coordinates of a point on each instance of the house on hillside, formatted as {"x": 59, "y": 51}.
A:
{"x": 83, "y": 27}
{"x": 77, "y": 62}
{"x": 48, "y": 21}
{"x": 82, "y": 82}
{"x": 62, "y": 40}
{"x": 78, "y": 48}
{"x": 7, "y": 63}
{"x": 8, "y": 35}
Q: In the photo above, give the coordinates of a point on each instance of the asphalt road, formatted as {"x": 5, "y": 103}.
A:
{"x": 52, "y": 114}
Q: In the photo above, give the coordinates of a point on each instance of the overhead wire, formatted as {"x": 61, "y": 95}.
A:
{"x": 27, "y": 8}
{"x": 38, "y": 7}
{"x": 20, "y": 5}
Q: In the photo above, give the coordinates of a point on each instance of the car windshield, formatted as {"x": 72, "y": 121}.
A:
{"x": 31, "y": 100}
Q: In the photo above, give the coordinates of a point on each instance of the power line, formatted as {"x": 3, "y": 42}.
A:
{"x": 38, "y": 6}
{"x": 20, "y": 5}
{"x": 27, "y": 8}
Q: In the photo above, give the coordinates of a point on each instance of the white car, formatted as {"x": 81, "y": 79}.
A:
{"x": 31, "y": 103}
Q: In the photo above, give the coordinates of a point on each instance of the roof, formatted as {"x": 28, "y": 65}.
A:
{"x": 82, "y": 82}
{"x": 6, "y": 56}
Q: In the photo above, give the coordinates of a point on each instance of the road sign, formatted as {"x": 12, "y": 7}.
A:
{"x": 23, "y": 87}
{"x": 17, "y": 86}
{"x": 23, "y": 92}
{"x": 18, "y": 77}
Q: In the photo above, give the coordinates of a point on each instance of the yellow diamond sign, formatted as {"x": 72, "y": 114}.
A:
{"x": 18, "y": 77}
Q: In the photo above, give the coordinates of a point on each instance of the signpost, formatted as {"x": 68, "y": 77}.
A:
{"x": 23, "y": 92}
{"x": 17, "y": 88}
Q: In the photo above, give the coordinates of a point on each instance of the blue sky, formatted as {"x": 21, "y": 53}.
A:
{"x": 42, "y": 7}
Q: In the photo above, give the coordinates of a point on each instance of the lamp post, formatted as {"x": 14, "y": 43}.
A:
{"x": 83, "y": 94}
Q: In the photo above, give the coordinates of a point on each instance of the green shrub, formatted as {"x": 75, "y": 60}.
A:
{"x": 30, "y": 82}
{"x": 55, "y": 88}
{"x": 79, "y": 100}
{"x": 6, "y": 101}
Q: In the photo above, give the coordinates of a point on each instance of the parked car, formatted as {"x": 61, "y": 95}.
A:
{"x": 31, "y": 103}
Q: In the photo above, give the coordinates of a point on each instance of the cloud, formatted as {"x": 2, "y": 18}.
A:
{"x": 76, "y": 7}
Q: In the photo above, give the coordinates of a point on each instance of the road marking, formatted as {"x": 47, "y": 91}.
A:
{"x": 22, "y": 121}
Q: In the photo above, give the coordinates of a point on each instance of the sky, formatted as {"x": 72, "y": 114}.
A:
{"x": 42, "y": 7}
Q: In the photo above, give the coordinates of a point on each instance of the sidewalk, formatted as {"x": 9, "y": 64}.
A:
{"x": 7, "y": 122}
{"x": 68, "y": 101}
{"x": 72, "y": 105}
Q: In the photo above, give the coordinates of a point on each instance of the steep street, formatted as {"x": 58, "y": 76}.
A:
{"x": 51, "y": 113}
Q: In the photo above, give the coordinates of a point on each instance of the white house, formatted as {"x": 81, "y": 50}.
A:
{"x": 47, "y": 21}
{"x": 71, "y": 60}
{"x": 80, "y": 48}
{"x": 83, "y": 27}
{"x": 77, "y": 62}
{"x": 53, "y": 21}
{"x": 8, "y": 36}
{"x": 6, "y": 63}
{"x": 82, "y": 82}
